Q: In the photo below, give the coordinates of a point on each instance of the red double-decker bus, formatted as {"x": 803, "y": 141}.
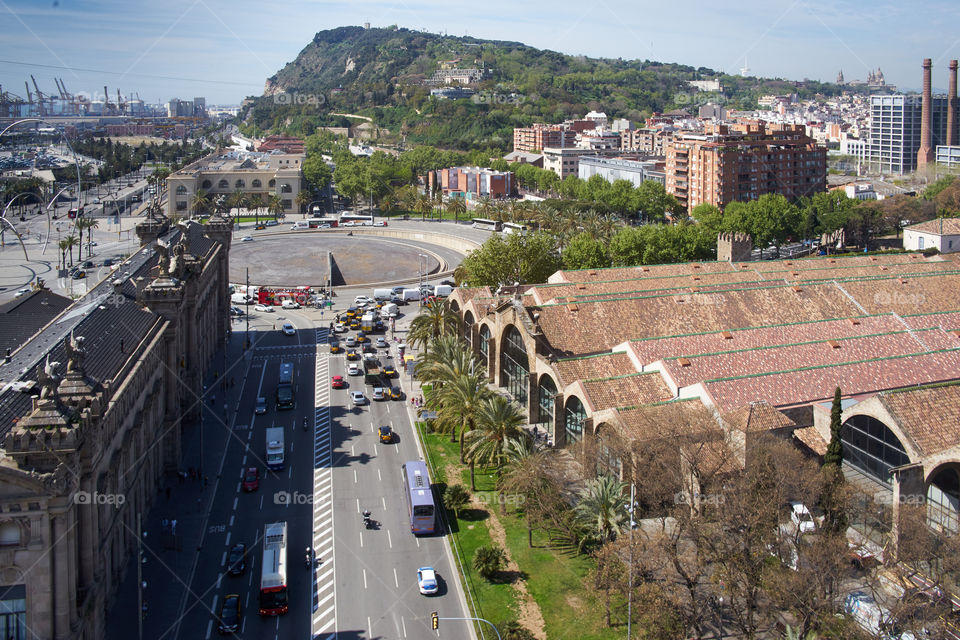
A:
{"x": 273, "y": 579}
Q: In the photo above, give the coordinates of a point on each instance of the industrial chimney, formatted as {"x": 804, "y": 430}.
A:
{"x": 952, "y": 106}
{"x": 925, "y": 153}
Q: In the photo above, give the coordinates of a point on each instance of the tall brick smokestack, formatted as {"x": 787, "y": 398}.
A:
{"x": 952, "y": 105}
{"x": 925, "y": 153}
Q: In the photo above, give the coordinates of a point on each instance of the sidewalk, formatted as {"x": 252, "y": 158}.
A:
{"x": 171, "y": 553}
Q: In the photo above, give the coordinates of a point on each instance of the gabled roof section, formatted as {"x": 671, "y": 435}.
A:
{"x": 938, "y": 227}
{"x": 621, "y": 391}
{"x": 929, "y": 415}
{"x": 757, "y": 417}
{"x": 603, "y": 365}
{"x": 22, "y": 317}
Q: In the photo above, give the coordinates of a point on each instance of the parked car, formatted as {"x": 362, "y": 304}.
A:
{"x": 228, "y": 620}
{"x": 802, "y": 518}
{"x": 427, "y": 581}
{"x": 260, "y": 226}
{"x": 288, "y": 329}
{"x": 237, "y": 560}
{"x": 251, "y": 479}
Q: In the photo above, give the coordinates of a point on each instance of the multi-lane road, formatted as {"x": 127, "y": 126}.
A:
{"x": 364, "y": 582}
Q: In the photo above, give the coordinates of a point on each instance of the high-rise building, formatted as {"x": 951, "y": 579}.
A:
{"x": 895, "y": 131}
{"x": 742, "y": 162}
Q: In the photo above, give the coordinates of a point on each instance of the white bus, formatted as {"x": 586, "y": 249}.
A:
{"x": 484, "y": 223}
{"x": 273, "y": 576}
{"x": 510, "y": 227}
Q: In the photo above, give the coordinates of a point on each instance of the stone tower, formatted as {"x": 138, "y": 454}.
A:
{"x": 734, "y": 246}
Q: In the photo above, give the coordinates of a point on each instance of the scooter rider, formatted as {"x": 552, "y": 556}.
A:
{"x": 308, "y": 558}
{"x": 304, "y": 423}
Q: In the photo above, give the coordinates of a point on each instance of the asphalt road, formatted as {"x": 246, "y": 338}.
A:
{"x": 364, "y": 582}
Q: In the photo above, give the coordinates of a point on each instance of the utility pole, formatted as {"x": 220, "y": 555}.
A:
{"x": 633, "y": 490}
{"x": 246, "y": 292}
{"x": 139, "y": 579}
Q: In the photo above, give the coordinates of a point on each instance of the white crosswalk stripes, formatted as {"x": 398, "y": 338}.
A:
{"x": 324, "y": 604}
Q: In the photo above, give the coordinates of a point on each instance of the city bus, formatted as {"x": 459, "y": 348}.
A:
{"x": 355, "y": 220}
{"x": 75, "y": 212}
{"x": 489, "y": 225}
{"x": 316, "y": 222}
{"x": 421, "y": 509}
{"x": 510, "y": 227}
{"x": 285, "y": 386}
{"x": 273, "y": 576}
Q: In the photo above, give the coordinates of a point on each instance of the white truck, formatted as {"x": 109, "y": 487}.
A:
{"x": 275, "y": 448}
{"x": 382, "y": 294}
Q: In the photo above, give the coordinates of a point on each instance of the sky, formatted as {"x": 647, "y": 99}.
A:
{"x": 224, "y": 50}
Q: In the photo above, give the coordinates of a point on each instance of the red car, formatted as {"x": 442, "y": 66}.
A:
{"x": 337, "y": 382}
{"x": 251, "y": 479}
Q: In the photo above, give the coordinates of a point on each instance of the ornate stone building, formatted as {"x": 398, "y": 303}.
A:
{"x": 92, "y": 410}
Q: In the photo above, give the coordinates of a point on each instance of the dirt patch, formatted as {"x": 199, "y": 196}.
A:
{"x": 529, "y": 614}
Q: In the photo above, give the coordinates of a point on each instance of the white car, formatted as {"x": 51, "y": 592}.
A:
{"x": 23, "y": 292}
{"x": 290, "y": 304}
{"x": 358, "y": 398}
{"x": 427, "y": 580}
{"x": 246, "y": 239}
{"x": 381, "y": 343}
{"x": 271, "y": 223}
{"x": 354, "y": 369}
{"x": 378, "y": 393}
{"x": 802, "y": 518}
{"x": 339, "y": 327}
{"x": 362, "y": 300}
{"x": 264, "y": 308}
{"x": 289, "y": 329}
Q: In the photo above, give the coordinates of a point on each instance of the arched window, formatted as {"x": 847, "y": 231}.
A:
{"x": 871, "y": 447}
{"x": 223, "y": 184}
{"x": 181, "y": 190}
{"x": 285, "y": 188}
{"x": 546, "y": 390}
{"x": 468, "y": 328}
{"x": 608, "y": 460}
{"x": 206, "y": 184}
{"x": 943, "y": 500}
{"x": 256, "y": 183}
{"x": 514, "y": 369}
{"x": 272, "y": 184}
{"x": 573, "y": 424}
{"x": 484, "y": 347}
{"x": 9, "y": 534}
{"x": 239, "y": 184}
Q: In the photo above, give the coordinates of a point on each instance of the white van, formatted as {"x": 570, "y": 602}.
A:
{"x": 240, "y": 298}
{"x": 410, "y": 294}
{"x": 382, "y": 294}
{"x": 300, "y": 224}
{"x": 442, "y": 290}
{"x": 390, "y": 310}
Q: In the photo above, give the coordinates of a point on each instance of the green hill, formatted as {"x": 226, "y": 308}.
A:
{"x": 384, "y": 74}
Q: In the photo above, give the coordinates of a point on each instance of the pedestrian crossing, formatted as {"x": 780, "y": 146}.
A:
{"x": 324, "y": 597}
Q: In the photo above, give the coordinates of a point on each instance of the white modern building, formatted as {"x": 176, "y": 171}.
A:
{"x": 948, "y": 156}
{"x": 942, "y": 234}
{"x": 635, "y": 171}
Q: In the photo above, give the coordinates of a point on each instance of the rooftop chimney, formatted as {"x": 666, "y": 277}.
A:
{"x": 925, "y": 153}
{"x": 952, "y": 106}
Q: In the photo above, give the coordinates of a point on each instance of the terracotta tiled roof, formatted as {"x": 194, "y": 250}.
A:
{"x": 949, "y": 320}
{"x": 463, "y": 295}
{"x": 912, "y": 294}
{"x": 605, "y": 365}
{"x": 692, "y": 369}
{"x": 676, "y": 419}
{"x": 622, "y": 391}
{"x": 757, "y": 417}
{"x": 930, "y": 416}
{"x": 812, "y": 439}
{"x": 804, "y": 385}
{"x": 939, "y": 226}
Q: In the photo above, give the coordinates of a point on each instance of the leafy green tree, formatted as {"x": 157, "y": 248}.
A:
{"x": 834, "y": 455}
{"x": 489, "y": 560}
{"x": 317, "y": 173}
{"x": 626, "y": 247}
{"x": 709, "y": 216}
{"x": 526, "y": 258}
{"x": 654, "y": 203}
{"x": 585, "y": 252}
{"x": 303, "y": 200}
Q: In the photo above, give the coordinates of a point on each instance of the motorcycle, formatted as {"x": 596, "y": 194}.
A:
{"x": 308, "y": 558}
{"x": 367, "y": 521}
{"x": 304, "y": 424}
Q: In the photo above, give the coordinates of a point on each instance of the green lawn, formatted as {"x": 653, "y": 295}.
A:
{"x": 558, "y": 581}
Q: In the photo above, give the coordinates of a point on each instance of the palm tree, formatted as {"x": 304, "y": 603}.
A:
{"x": 422, "y": 205}
{"x": 499, "y": 423}
{"x": 603, "y": 506}
{"x": 484, "y": 207}
{"x": 525, "y": 476}
{"x": 65, "y": 245}
{"x": 237, "y": 200}
{"x": 70, "y": 242}
{"x": 458, "y": 207}
{"x": 445, "y": 359}
{"x": 201, "y": 202}
{"x": 436, "y": 321}
{"x": 304, "y": 198}
{"x": 275, "y": 205}
{"x": 90, "y": 224}
{"x": 81, "y": 224}
{"x": 255, "y": 201}
{"x": 459, "y": 402}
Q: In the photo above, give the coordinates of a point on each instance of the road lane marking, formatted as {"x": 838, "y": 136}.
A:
{"x": 403, "y": 623}
{"x": 389, "y": 541}
{"x": 354, "y": 476}
{"x": 369, "y": 628}
{"x": 209, "y": 629}
{"x": 223, "y": 560}
{"x": 228, "y": 537}
{"x": 396, "y": 581}
{"x": 235, "y": 500}
{"x": 231, "y": 519}
{"x": 379, "y": 476}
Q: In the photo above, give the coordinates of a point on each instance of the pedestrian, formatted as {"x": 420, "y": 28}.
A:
{"x": 168, "y": 494}
{"x": 173, "y": 527}
{"x": 206, "y": 480}
{"x": 165, "y": 523}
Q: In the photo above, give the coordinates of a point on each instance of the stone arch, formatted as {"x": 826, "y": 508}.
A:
{"x": 467, "y": 329}
{"x": 256, "y": 184}
{"x": 574, "y": 417}
{"x": 546, "y": 400}
{"x": 454, "y": 306}
{"x": 206, "y": 184}
{"x": 11, "y": 534}
{"x": 240, "y": 184}
{"x": 181, "y": 190}
{"x": 872, "y": 448}
{"x": 514, "y": 365}
{"x": 483, "y": 346}
{"x": 223, "y": 184}
{"x": 943, "y": 497}
{"x": 286, "y": 188}
{"x": 272, "y": 183}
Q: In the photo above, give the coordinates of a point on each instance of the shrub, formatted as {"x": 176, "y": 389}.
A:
{"x": 489, "y": 560}
{"x": 455, "y": 497}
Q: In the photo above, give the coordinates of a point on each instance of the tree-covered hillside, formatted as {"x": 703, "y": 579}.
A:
{"x": 382, "y": 73}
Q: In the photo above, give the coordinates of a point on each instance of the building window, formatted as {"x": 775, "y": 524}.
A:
{"x": 286, "y": 204}
{"x": 256, "y": 184}
{"x": 223, "y": 184}
{"x": 239, "y": 184}
{"x": 272, "y": 184}
{"x": 546, "y": 392}
{"x": 206, "y": 184}
{"x": 285, "y": 188}
{"x": 871, "y": 447}
{"x": 9, "y": 534}
{"x": 181, "y": 205}
{"x": 514, "y": 366}
{"x": 920, "y": 242}
{"x": 484, "y": 347}
{"x": 468, "y": 329}
{"x": 13, "y": 612}
{"x": 575, "y": 416}
{"x": 943, "y": 501}
{"x": 608, "y": 462}
{"x": 181, "y": 190}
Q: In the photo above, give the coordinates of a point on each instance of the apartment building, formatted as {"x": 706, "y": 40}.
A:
{"x": 540, "y": 136}
{"x": 647, "y": 141}
{"x": 565, "y": 161}
{"x": 473, "y": 182}
{"x": 742, "y": 162}
{"x": 257, "y": 174}
{"x": 895, "y": 131}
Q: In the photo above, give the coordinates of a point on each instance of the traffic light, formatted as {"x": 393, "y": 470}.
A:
{"x": 434, "y": 621}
